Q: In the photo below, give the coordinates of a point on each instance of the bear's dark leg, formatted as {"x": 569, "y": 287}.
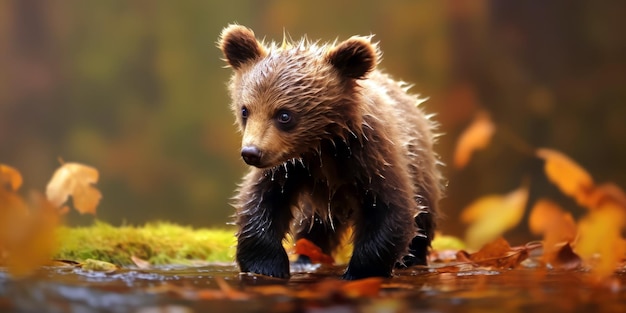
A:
{"x": 263, "y": 223}
{"x": 381, "y": 234}
{"x": 322, "y": 233}
{"x": 418, "y": 249}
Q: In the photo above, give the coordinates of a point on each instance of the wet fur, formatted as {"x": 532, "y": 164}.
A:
{"x": 360, "y": 155}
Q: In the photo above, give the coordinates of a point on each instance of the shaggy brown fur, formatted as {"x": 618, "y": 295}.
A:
{"x": 334, "y": 143}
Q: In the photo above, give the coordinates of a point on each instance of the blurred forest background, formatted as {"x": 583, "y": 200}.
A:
{"x": 137, "y": 90}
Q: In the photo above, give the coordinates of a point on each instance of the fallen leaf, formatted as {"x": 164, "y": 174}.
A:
{"x": 34, "y": 242}
{"x": 463, "y": 256}
{"x": 186, "y": 292}
{"x": 499, "y": 254}
{"x": 76, "y": 180}
{"x": 556, "y": 226}
{"x": 567, "y": 175}
{"x": 566, "y": 259}
{"x": 368, "y": 287}
{"x": 271, "y": 290}
{"x": 64, "y": 263}
{"x": 140, "y": 263}
{"x": 490, "y": 216}
{"x": 231, "y": 293}
{"x": 494, "y": 249}
{"x": 475, "y": 137}
{"x": 99, "y": 266}
{"x": 601, "y": 244}
{"x": 10, "y": 177}
{"x": 309, "y": 249}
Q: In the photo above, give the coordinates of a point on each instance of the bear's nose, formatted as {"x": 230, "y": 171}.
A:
{"x": 251, "y": 155}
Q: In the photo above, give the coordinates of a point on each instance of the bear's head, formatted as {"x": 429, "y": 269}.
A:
{"x": 287, "y": 98}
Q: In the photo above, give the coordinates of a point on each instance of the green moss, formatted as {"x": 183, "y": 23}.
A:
{"x": 160, "y": 243}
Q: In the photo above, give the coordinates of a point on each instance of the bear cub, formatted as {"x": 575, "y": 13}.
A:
{"x": 333, "y": 143}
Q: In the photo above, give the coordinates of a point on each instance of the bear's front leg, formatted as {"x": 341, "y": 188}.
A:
{"x": 262, "y": 253}
{"x": 382, "y": 232}
{"x": 263, "y": 218}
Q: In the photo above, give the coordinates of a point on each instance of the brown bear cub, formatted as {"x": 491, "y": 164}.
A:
{"x": 333, "y": 143}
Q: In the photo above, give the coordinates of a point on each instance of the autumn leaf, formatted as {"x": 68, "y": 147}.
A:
{"x": 309, "y": 249}
{"x": 499, "y": 254}
{"x": 27, "y": 238}
{"x": 76, "y": 180}
{"x": 99, "y": 266}
{"x": 606, "y": 192}
{"x": 229, "y": 291}
{"x": 492, "y": 215}
{"x": 34, "y": 242}
{"x": 567, "y": 175}
{"x": 12, "y": 208}
{"x": 10, "y": 177}
{"x": 477, "y": 136}
{"x": 566, "y": 259}
{"x": 368, "y": 287}
{"x": 600, "y": 235}
{"x": 140, "y": 263}
{"x": 556, "y": 225}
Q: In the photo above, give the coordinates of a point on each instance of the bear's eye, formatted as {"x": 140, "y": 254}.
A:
{"x": 244, "y": 113}
{"x": 285, "y": 120}
{"x": 284, "y": 117}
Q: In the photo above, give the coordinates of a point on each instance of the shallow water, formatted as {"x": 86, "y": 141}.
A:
{"x": 188, "y": 289}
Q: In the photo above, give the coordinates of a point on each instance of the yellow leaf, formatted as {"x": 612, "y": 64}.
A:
{"x": 99, "y": 266}
{"x": 567, "y": 175}
{"x": 10, "y": 177}
{"x": 446, "y": 242}
{"x": 490, "y": 216}
{"x": 76, "y": 180}
{"x": 600, "y": 234}
{"x": 556, "y": 226}
{"x": 476, "y": 136}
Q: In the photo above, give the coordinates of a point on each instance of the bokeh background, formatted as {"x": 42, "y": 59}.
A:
{"x": 137, "y": 90}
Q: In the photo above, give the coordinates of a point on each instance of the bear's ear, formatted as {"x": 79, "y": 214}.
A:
{"x": 354, "y": 58}
{"x": 240, "y": 46}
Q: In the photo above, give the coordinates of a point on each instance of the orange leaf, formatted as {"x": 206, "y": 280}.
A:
{"x": 490, "y": 216}
{"x": 11, "y": 206}
{"x": 565, "y": 173}
{"x": 476, "y": 136}
{"x": 494, "y": 249}
{"x": 76, "y": 180}
{"x": 229, "y": 291}
{"x": 35, "y": 242}
{"x": 600, "y": 234}
{"x": 566, "y": 258}
{"x": 606, "y": 192}
{"x": 368, "y": 287}
{"x": 556, "y": 225}
{"x": 309, "y": 249}
{"x": 10, "y": 177}
{"x": 499, "y": 253}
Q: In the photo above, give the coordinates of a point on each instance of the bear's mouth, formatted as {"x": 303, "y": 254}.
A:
{"x": 267, "y": 163}
{"x": 282, "y": 169}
